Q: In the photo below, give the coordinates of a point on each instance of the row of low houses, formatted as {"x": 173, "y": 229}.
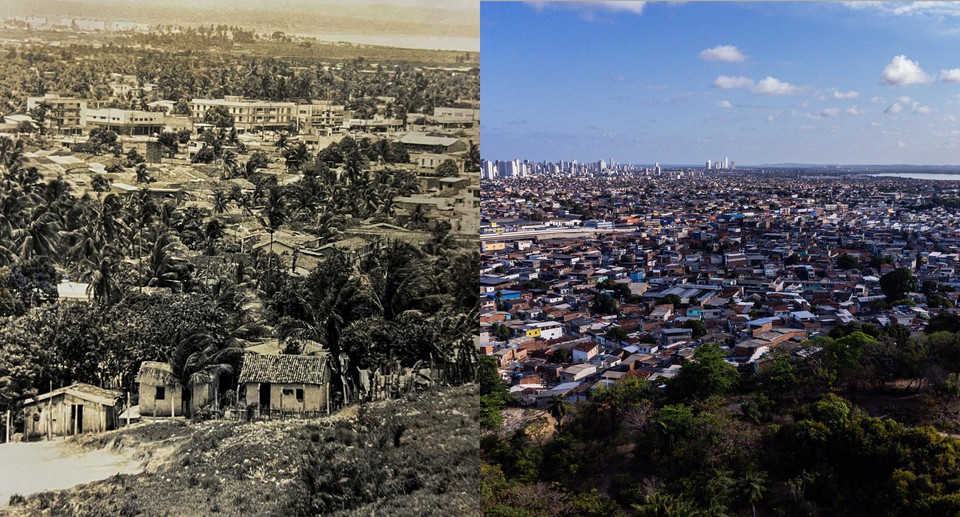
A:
{"x": 275, "y": 384}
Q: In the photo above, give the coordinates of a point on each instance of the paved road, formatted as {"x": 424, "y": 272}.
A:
{"x": 549, "y": 234}
{"x": 27, "y": 468}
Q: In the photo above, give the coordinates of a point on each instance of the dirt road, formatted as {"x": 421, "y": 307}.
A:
{"x": 26, "y": 468}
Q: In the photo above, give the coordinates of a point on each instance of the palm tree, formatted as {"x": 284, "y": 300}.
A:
{"x": 397, "y": 278}
{"x": 353, "y": 168}
{"x": 370, "y": 202}
{"x": 330, "y": 224}
{"x": 472, "y": 159}
{"x": 11, "y": 153}
{"x": 274, "y": 213}
{"x": 220, "y": 201}
{"x": 213, "y": 231}
{"x": 440, "y": 239}
{"x": 200, "y": 359}
{"x": 754, "y": 485}
{"x": 321, "y": 307}
{"x": 418, "y": 218}
{"x": 381, "y": 149}
{"x": 142, "y": 175}
{"x": 40, "y": 235}
{"x": 296, "y": 156}
{"x": 165, "y": 265}
{"x": 101, "y": 273}
{"x": 229, "y": 165}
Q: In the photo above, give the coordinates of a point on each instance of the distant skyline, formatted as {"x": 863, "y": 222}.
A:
{"x": 449, "y": 25}
{"x": 804, "y": 82}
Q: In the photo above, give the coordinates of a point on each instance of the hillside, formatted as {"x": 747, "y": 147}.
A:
{"x": 416, "y": 456}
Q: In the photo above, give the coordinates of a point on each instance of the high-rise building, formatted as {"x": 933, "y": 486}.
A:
{"x": 709, "y": 164}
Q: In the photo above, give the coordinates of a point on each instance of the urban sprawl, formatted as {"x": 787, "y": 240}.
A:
{"x": 593, "y": 272}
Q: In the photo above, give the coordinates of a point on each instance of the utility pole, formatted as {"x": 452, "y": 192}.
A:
{"x": 49, "y": 415}
{"x": 128, "y": 409}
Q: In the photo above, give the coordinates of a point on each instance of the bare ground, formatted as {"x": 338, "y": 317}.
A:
{"x": 285, "y": 467}
{"x": 51, "y": 465}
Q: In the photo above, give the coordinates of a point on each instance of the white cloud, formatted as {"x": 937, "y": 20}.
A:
{"x": 913, "y": 9}
{"x": 904, "y": 103}
{"x": 770, "y": 118}
{"x": 724, "y": 105}
{"x": 894, "y": 108}
{"x": 632, "y": 7}
{"x": 950, "y": 76}
{"x": 902, "y": 71}
{"x": 877, "y": 99}
{"x": 727, "y": 82}
{"x": 949, "y": 118}
{"x": 901, "y": 144}
{"x": 853, "y": 110}
{"x": 591, "y": 7}
{"x": 725, "y": 53}
{"x": 773, "y": 86}
{"x": 831, "y": 112}
{"x": 837, "y": 94}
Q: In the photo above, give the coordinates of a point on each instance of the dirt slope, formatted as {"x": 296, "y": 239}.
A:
{"x": 347, "y": 464}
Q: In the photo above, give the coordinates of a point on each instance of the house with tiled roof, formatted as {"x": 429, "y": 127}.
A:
{"x": 286, "y": 383}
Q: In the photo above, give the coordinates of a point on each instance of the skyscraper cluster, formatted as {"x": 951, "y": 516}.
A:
{"x": 724, "y": 164}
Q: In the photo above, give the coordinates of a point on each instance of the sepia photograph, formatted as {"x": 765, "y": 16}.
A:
{"x": 238, "y": 257}
{"x": 720, "y": 259}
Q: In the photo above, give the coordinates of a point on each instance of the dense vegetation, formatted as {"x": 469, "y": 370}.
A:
{"x": 390, "y": 304}
{"x": 856, "y": 424}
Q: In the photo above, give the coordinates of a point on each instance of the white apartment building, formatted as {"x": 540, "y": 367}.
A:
{"x": 125, "y": 122}
{"x": 64, "y": 114}
{"x": 320, "y": 117}
{"x": 249, "y": 115}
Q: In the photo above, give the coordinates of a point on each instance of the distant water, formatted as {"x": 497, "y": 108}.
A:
{"x": 919, "y": 176}
{"x": 466, "y": 44}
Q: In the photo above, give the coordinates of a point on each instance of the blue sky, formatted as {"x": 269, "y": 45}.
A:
{"x": 855, "y": 83}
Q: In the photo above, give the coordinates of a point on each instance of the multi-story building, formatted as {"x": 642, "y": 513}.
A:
{"x": 320, "y": 117}
{"x": 249, "y": 115}
{"x": 64, "y": 114}
{"x": 126, "y": 122}
{"x": 456, "y": 117}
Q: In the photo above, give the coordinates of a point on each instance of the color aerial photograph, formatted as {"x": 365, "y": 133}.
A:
{"x": 238, "y": 258}
{"x": 720, "y": 259}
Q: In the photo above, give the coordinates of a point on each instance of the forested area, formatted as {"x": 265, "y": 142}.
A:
{"x": 858, "y": 423}
{"x": 395, "y": 303}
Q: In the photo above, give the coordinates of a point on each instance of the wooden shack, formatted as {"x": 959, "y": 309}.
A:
{"x": 287, "y": 384}
{"x": 161, "y": 393}
{"x": 78, "y": 408}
